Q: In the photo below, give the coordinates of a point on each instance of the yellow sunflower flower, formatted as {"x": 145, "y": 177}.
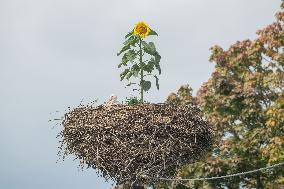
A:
{"x": 141, "y": 29}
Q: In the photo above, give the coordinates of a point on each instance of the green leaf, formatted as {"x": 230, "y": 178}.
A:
{"x": 150, "y": 66}
{"x": 135, "y": 69}
{"x": 131, "y": 41}
{"x": 152, "y": 32}
{"x": 124, "y": 60}
{"x": 149, "y": 48}
{"x": 129, "y": 34}
{"x": 155, "y": 62}
{"x": 125, "y": 48}
{"x": 129, "y": 74}
{"x": 146, "y": 85}
{"x": 158, "y": 68}
{"x": 129, "y": 84}
{"x": 142, "y": 65}
{"x": 132, "y": 100}
{"x": 123, "y": 74}
{"x": 131, "y": 55}
{"x": 119, "y": 65}
{"x": 157, "y": 58}
{"x": 152, "y": 62}
{"x": 157, "y": 82}
{"x": 128, "y": 43}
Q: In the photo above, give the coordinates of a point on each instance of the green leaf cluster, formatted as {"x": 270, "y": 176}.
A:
{"x": 132, "y": 101}
{"x": 140, "y": 60}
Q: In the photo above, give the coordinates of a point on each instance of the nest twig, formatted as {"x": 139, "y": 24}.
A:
{"x": 123, "y": 142}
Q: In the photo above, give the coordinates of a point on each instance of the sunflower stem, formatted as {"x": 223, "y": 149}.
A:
{"x": 141, "y": 72}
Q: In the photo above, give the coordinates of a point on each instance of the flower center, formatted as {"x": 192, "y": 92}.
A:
{"x": 142, "y": 30}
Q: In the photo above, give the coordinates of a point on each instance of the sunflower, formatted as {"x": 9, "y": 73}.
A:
{"x": 141, "y": 29}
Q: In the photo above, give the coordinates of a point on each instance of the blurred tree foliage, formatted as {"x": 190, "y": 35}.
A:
{"x": 244, "y": 101}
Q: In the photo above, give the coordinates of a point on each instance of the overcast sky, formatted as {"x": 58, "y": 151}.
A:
{"x": 54, "y": 53}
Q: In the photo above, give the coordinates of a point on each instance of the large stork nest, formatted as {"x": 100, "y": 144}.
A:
{"x": 124, "y": 142}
